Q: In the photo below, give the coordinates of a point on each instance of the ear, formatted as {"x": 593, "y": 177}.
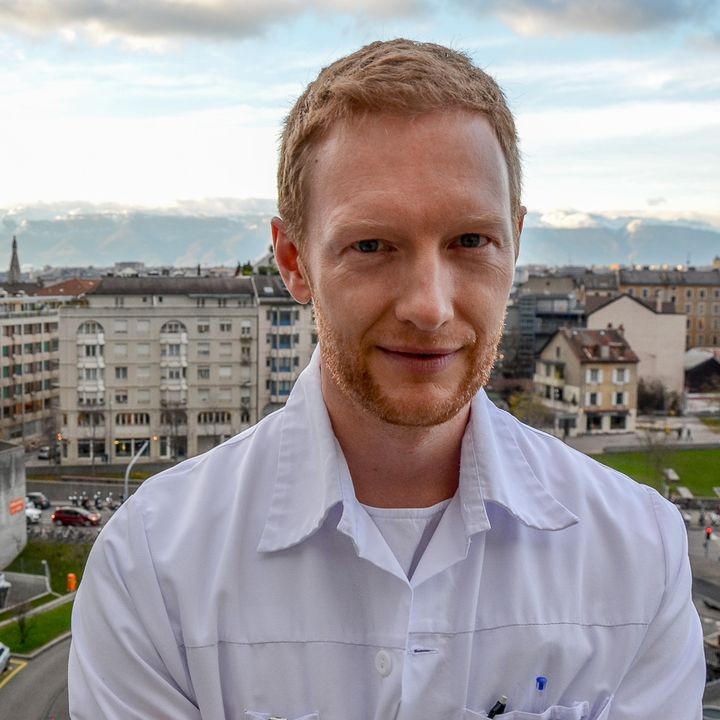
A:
{"x": 518, "y": 232}
{"x": 287, "y": 257}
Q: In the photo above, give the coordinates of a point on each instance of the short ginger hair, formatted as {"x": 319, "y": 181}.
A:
{"x": 401, "y": 77}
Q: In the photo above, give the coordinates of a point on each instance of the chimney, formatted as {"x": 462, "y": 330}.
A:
{"x": 621, "y": 330}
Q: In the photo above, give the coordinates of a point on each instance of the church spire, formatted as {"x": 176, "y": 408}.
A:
{"x": 14, "y": 271}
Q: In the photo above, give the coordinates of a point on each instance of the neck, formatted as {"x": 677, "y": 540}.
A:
{"x": 393, "y": 465}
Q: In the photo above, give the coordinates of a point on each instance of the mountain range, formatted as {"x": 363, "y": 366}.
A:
{"x": 238, "y": 231}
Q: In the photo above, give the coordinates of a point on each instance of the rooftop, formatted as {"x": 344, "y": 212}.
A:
{"x": 608, "y": 346}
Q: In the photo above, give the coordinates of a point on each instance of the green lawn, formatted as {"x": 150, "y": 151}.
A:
{"x": 43, "y": 628}
{"x": 35, "y": 603}
{"x": 699, "y": 470}
{"x": 63, "y": 558}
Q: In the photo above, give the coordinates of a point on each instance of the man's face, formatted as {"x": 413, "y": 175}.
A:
{"x": 408, "y": 256}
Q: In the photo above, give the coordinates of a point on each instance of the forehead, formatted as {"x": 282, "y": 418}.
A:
{"x": 449, "y": 161}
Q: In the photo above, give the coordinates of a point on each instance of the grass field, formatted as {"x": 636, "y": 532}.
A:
{"x": 63, "y": 558}
{"x": 43, "y": 628}
{"x": 699, "y": 470}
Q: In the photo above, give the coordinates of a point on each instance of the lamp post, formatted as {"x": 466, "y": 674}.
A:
{"x": 130, "y": 465}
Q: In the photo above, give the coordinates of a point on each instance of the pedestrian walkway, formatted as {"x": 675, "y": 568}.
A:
{"x": 700, "y": 436}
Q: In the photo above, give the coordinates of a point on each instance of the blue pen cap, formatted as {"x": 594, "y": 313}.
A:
{"x": 540, "y": 683}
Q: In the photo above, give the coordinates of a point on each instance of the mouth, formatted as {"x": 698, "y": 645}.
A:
{"x": 422, "y": 360}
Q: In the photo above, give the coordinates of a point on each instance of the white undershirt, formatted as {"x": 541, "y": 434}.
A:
{"x": 407, "y": 531}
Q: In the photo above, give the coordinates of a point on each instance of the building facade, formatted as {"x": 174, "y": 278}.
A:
{"x": 29, "y": 370}
{"x": 588, "y": 378}
{"x": 694, "y": 293}
{"x": 655, "y": 333}
{"x": 171, "y": 366}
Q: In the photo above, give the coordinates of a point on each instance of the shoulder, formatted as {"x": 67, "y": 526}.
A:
{"x": 234, "y": 478}
{"x": 599, "y": 495}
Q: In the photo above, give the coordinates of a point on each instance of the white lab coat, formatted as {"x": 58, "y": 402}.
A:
{"x": 249, "y": 583}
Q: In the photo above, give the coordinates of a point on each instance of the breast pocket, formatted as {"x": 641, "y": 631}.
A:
{"x": 253, "y": 715}
{"x": 577, "y": 711}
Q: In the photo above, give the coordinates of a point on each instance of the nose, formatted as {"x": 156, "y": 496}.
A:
{"x": 424, "y": 294}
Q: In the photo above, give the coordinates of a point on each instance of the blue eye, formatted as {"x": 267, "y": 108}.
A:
{"x": 368, "y": 246}
{"x": 472, "y": 240}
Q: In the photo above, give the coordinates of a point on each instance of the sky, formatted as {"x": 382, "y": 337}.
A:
{"x": 179, "y": 103}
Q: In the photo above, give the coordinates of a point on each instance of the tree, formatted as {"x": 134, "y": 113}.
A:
{"x": 528, "y": 408}
{"x": 24, "y": 621}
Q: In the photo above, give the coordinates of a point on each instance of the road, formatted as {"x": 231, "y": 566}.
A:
{"x": 36, "y": 689}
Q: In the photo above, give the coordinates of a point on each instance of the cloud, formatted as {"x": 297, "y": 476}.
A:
{"x": 537, "y": 17}
{"x": 138, "y": 20}
{"x": 568, "y": 219}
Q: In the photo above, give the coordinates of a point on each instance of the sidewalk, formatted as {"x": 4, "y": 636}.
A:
{"x": 701, "y": 436}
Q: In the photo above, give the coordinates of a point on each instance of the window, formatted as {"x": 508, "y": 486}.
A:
{"x": 120, "y": 349}
{"x": 688, "y": 308}
{"x": 120, "y": 326}
{"x": 222, "y": 302}
{"x": 142, "y": 349}
{"x": 620, "y": 398}
{"x": 203, "y": 349}
{"x": 203, "y": 327}
{"x": 91, "y": 373}
{"x": 170, "y": 350}
{"x": 143, "y": 395}
{"x": 119, "y": 302}
{"x": 143, "y": 327}
{"x": 621, "y": 376}
{"x": 225, "y": 394}
{"x": 280, "y": 387}
{"x": 225, "y": 371}
{"x": 688, "y": 293}
{"x": 91, "y": 350}
{"x": 203, "y": 372}
{"x": 594, "y": 376}
{"x": 173, "y": 327}
{"x": 618, "y": 422}
{"x": 645, "y": 292}
{"x": 225, "y": 327}
{"x": 121, "y": 397}
{"x": 245, "y": 327}
{"x": 90, "y": 328}
{"x": 226, "y": 349}
{"x": 701, "y": 308}
{"x": 593, "y": 399}
{"x": 175, "y": 373}
{"x": 121, "y": 373}
{"x": 214, "y": 417}
{"x": 142, "y": 372}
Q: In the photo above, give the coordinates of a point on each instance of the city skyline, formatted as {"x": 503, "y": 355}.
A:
{"x": 178, "y": 104}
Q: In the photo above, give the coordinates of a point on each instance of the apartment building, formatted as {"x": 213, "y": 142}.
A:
{"x": 171, "y": 366}
{"x": 653, "y": 329}
{"x": 694, "y": 293}
{"x": 28, "y": 369}
{"x": 287, "y": 338}
{"x": 589, "y": 379}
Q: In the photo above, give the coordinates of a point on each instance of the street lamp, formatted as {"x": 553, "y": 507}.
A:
{"x": 130, "y": 465}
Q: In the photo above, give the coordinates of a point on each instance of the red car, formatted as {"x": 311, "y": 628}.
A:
{"x": 67, "y": 515}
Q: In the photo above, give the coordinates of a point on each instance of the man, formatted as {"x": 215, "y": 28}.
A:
{"x": 390, "y": 545}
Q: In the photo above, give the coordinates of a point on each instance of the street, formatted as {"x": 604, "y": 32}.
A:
{"x": 36, "y": 689}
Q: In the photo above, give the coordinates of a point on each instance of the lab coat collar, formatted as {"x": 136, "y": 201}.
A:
{"x": 495, "y": 470}
{"x": 312, "y": 475}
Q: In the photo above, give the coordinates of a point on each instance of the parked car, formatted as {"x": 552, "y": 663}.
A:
{"x": 65, "y": 515}
{"x": 37, "y": 499}
{"x": 44, "y": 453}
{"x": 32, "y": 514}
{"x": 4, "y": 657}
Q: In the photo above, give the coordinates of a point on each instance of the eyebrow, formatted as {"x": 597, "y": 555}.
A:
{"x": 493, "y": 221}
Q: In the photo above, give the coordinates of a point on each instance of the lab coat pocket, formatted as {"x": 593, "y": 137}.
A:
{"x": 252, "y": 715}
{"x": 578, "y": 711}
